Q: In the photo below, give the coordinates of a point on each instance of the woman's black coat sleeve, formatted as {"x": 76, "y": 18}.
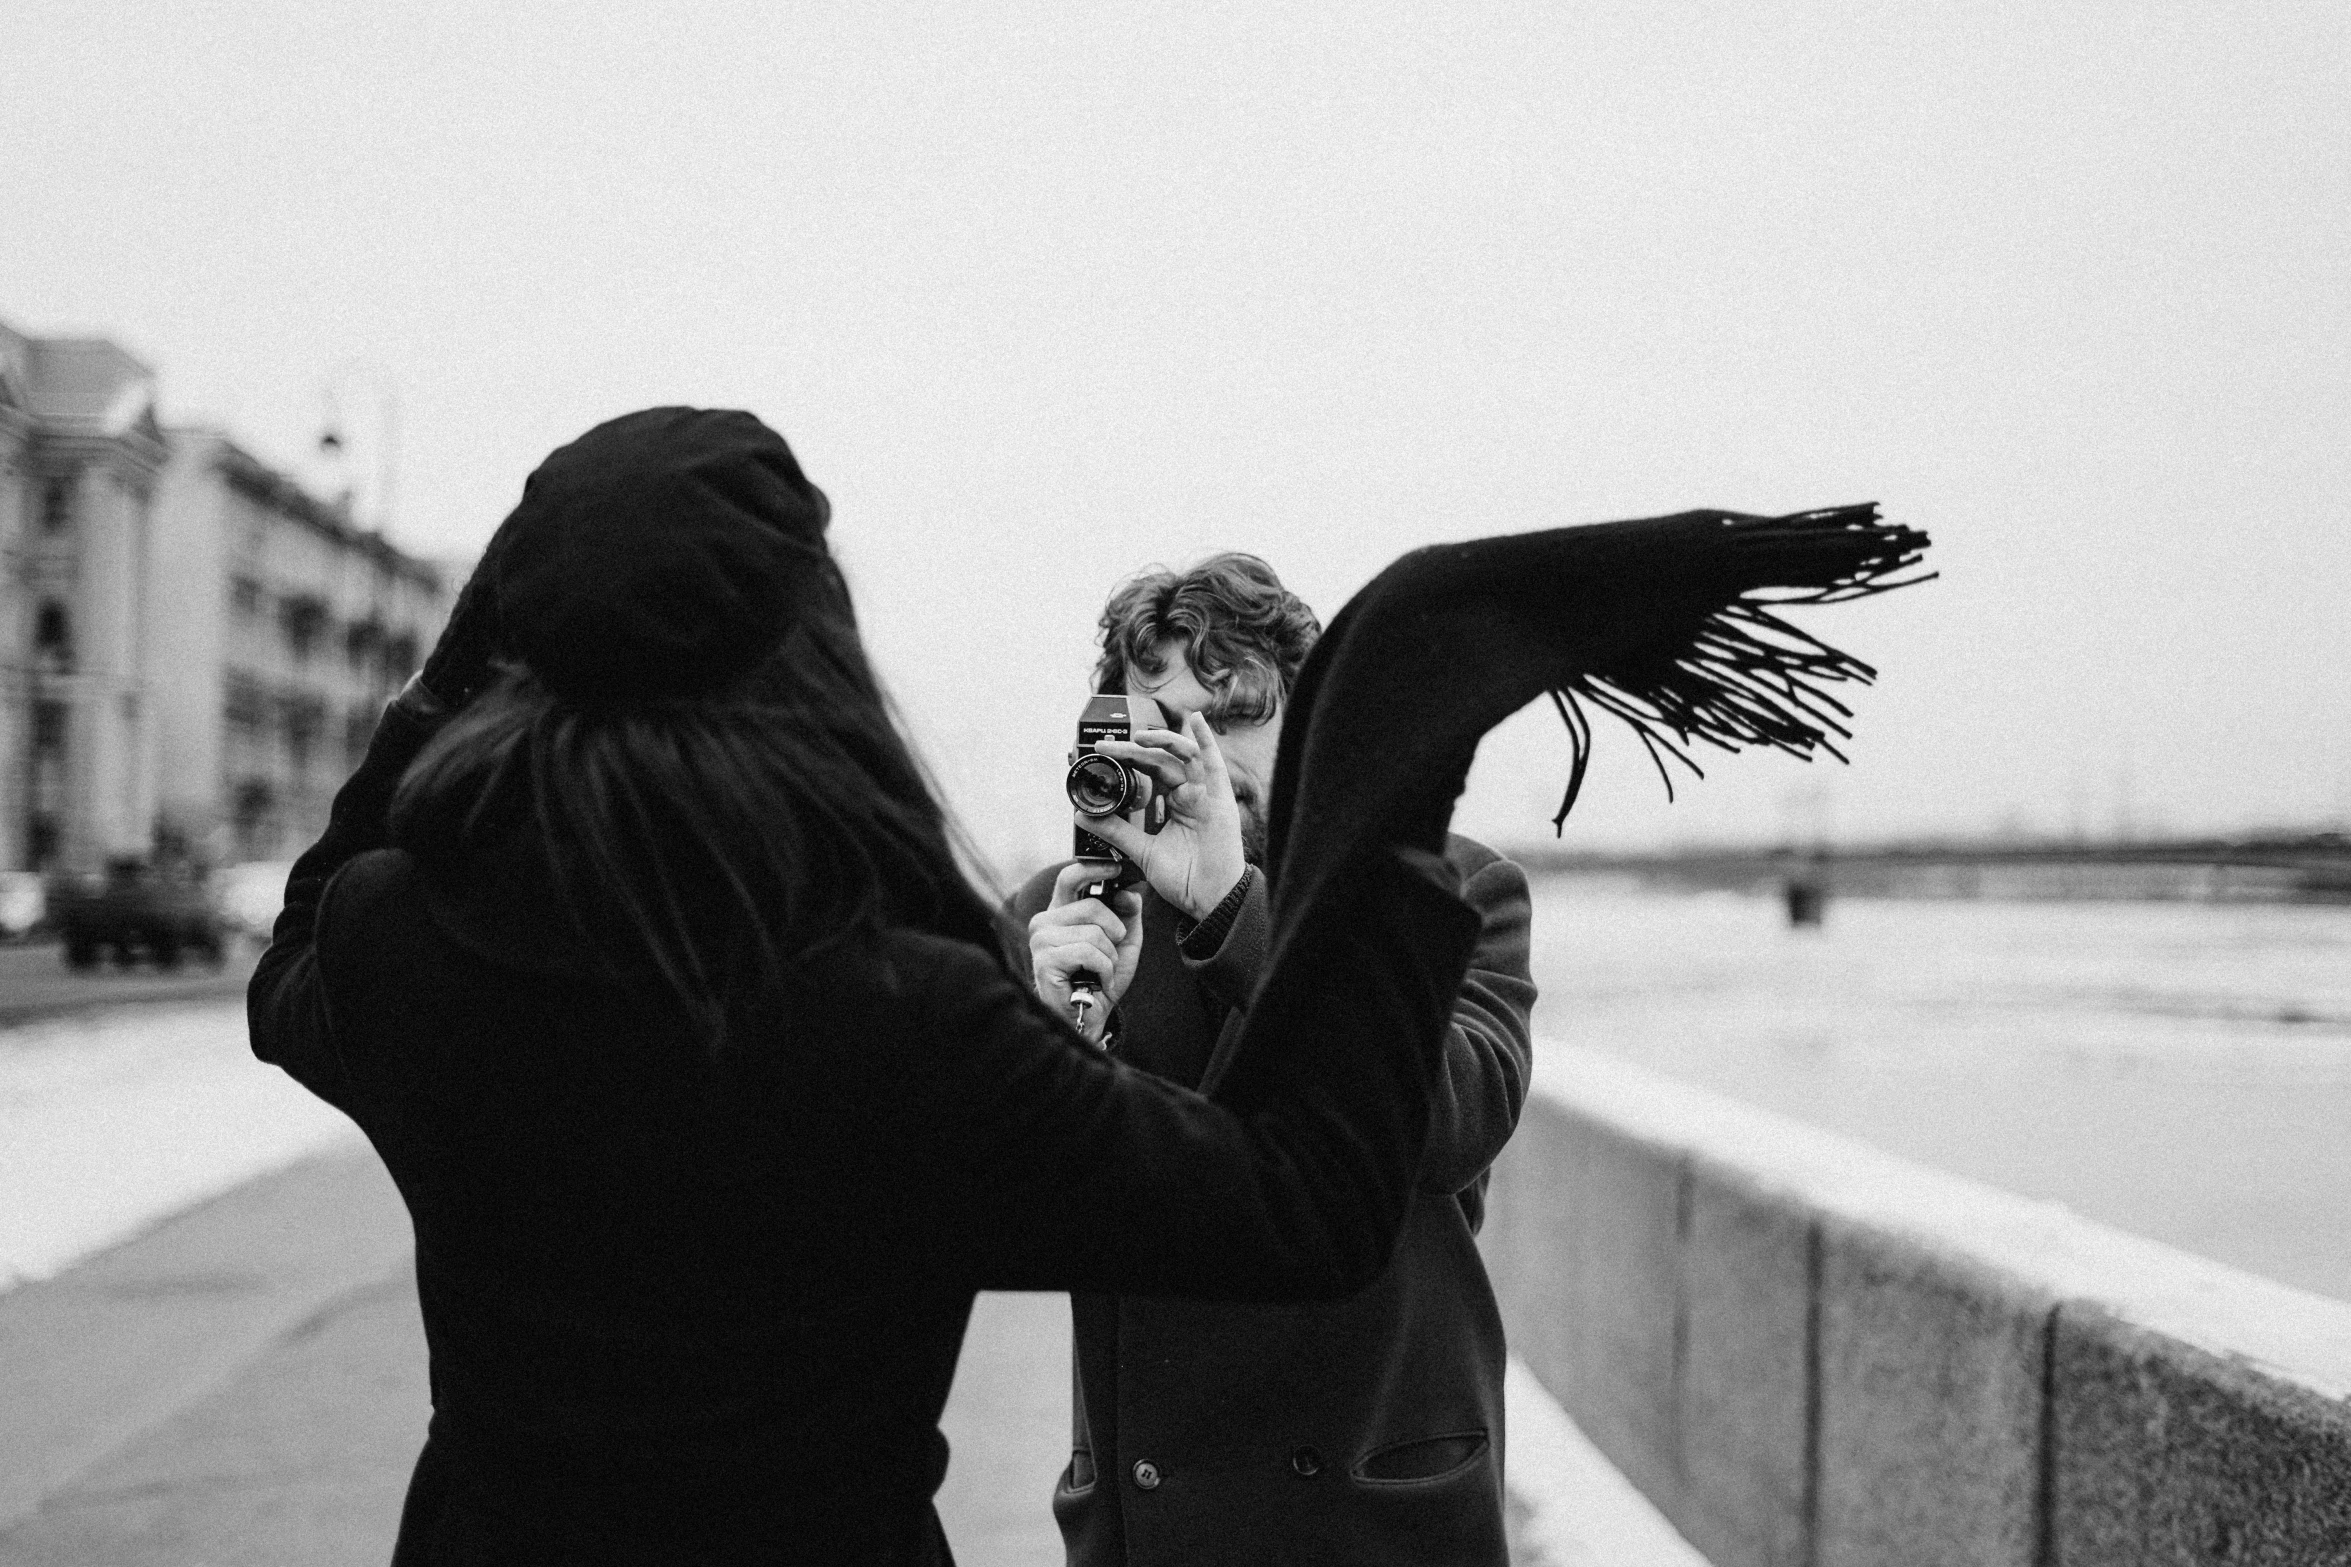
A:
{"x": 1024, "y": 1160}
{"x": 286, "y": 1003}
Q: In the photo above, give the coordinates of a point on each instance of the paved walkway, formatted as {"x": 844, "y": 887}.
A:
{"x": 245, "y": 1385}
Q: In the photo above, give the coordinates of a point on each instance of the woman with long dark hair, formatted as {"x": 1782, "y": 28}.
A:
{"x": 638, "y": 948}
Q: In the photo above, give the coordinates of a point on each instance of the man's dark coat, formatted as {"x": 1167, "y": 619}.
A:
{"x": 1362, "y": 1431}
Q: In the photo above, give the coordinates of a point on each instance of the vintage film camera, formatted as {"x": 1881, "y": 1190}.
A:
{"x": 1100, "y": 786}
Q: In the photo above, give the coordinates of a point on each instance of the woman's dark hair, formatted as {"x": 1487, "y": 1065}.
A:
{"x": 713, "y": 842}
{"x": 1245, "y": 635}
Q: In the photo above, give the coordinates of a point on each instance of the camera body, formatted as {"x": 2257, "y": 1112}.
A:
{"x": 1100, "y": 786}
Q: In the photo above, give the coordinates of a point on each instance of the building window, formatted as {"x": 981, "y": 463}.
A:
{"x": 242, "y": 703}
{"x": 306, "y": 722}
{"x": 49, "y": 728}
{"x": 253, "y": 804}
{"x": 45, "y": 823}
{"x": 363, "y": 641}
{"x": 244, "y": 597}
{"x": 53, "y": 639}
{"x": 303, "y": 616}
{"x": 57, "y": 499}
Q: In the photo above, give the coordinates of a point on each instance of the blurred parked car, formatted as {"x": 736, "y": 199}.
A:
{"x": 251, "y": 895}
{"x": 136, "y": 910}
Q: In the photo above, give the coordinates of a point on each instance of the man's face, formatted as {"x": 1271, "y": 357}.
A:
{"x": 1248, "y": 748}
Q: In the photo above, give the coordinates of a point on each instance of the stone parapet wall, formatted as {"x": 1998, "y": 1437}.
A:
{"x": 1811, "y": 1354}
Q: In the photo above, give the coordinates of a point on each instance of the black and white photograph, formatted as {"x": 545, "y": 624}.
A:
{"x": 1387, "y": 785}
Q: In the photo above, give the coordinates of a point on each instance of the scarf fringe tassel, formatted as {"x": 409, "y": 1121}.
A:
{"x": 1751, "y": 678}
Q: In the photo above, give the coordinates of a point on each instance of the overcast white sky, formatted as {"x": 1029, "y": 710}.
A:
{"x": 1042, "y": 293}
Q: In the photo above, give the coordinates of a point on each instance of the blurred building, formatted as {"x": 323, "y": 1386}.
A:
{"x": 286, "y": 630}
{"x": 80, "y": 454}
{"x": 193, "y": 647}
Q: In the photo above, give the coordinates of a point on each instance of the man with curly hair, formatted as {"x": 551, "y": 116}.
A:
{"x": 1366, "y": 1430}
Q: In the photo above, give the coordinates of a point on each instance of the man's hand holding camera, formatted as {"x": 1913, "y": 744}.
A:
{"x": 1193, "y": 862}
{"x": 1197, "y": 857}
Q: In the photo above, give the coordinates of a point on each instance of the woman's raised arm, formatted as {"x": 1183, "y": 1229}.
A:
{"x": 984, "y": 1139}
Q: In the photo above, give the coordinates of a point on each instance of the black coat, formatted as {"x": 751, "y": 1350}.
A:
{"x": 679, "y": 1312}
{"x": 1360, "y": 1431}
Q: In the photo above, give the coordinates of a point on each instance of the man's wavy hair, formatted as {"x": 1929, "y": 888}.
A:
{"x": 1244, "y": 634}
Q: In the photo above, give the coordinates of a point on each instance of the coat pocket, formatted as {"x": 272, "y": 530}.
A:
{"x": 1423, "y": 1460}
{"x": 1432, "y": 1499}
{"x": 1086, "y": 1513}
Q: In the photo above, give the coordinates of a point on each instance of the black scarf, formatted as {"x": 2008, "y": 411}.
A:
{"x": 1669, "y": 623}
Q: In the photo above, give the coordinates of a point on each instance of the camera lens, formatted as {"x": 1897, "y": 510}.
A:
{"x": 1099, "y": 786}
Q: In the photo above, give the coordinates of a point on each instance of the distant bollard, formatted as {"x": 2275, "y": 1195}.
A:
{"x": 1807, "y": 899}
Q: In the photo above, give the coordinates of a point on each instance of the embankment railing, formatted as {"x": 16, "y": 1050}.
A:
{"x": 1811, "y": 1354}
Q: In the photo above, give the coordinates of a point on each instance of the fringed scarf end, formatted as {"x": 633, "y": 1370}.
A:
{"x": 1749, "y": 677}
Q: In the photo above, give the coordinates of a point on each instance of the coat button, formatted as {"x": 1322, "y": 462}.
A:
{"x": 1307, "y": 1462}
{"x": 1146, "y": 1474}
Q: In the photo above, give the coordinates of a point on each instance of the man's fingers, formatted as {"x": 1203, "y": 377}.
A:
{"x": 1060, "y": 945}
{"x": 1211, "y": 755}
{"x": 1093, "y": 952}
{"x": 1118, "y": 832}
{"x": 1166, "y": 765}
{"x": 1077, "y": 879}
{"x": 1176, "y": 742}
{"x": 1085, "y": 914}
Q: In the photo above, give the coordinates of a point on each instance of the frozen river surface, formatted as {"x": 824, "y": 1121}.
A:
{"x": 2182, "y": 1071}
